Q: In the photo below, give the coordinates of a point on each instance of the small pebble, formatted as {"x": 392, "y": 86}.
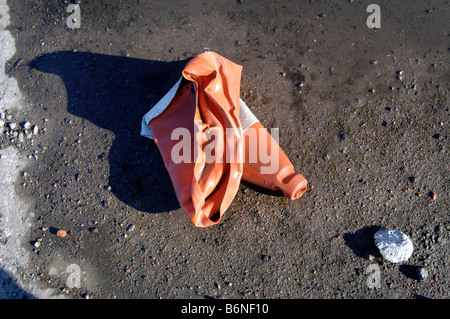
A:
{"x": 371, "y": 255}
{"x": 432, "y": 195}
{"x": 61, "y": 233}
{"x": 27, "y": 125}
{"x": 342, "y": 135}
{"x": 422, "y": 273}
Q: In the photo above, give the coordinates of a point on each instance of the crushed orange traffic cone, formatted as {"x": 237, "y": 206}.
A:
{"x": 215, "y": 126}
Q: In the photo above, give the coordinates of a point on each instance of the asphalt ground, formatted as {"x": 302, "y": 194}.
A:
{"x": 362, "y": 113}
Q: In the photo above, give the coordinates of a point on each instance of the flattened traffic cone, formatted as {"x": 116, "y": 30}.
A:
{"x": 203, "y": 103}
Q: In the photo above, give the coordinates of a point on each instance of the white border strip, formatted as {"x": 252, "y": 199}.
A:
{"x": 158, "y": 109}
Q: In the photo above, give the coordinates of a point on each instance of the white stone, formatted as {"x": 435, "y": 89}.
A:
{"x": 394, "y": 245}
{"x": 13, "y": 126}
{"x": 27, "y": 125}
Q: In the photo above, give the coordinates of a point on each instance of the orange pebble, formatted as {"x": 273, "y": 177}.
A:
{"x": 61, "y": 233}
